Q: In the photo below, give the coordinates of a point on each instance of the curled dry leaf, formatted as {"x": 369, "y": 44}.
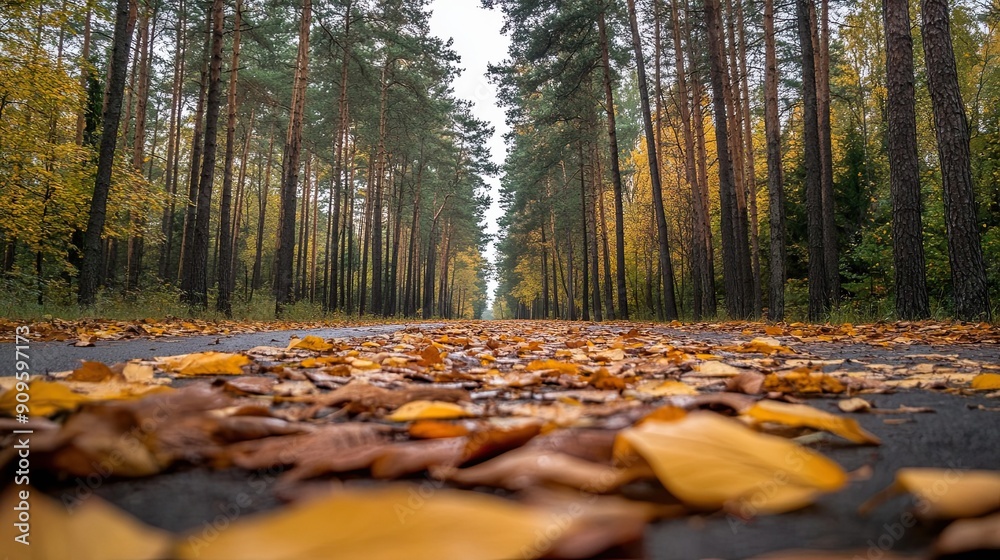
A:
{"x": 93, "y": 372}
{"x": 400, "y": 521}
{"x": 944, "y": 493}
{"x": 855, "y": 404}
{"x": 527, "y": 467}
{"x": 358, "y": 396}
{"x": 584, "y": 525}
{"x": 206, "y": 363}
{"x": 803, "y": 380}
{"x": 801, "y": 415}
{"x": 749, "y": 382}
{"x": 709, "y": 462}
{"x": 310, "y": 342}
{"x": 94, "y": 530}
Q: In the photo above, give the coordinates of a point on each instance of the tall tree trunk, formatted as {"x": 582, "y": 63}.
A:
{"x": 290, "y": 166}
{"x": 965, "y": 254}
{"x": 699, "y": 264}
{"x": 735, "y": 267}
{"x": 224, "y": 302}
{"x": 194, "y": 283}
{"x": 187, "y": 234}
{"x": 818, "y": 294}
{"x": 173, "y": 143}
{"x": 616, "y": 174}
{"x": 830, "y": 256}
{"x": 591, "y": 216}
{"x": 90, "y": 270}
{"x": 142, "y": 70}
{"x": 709, "y": 303}
{"x": 264, "y": 191}
{"x": 748, "y": 161}
{"x": 666, "y": 269}
{"x": 775, "y": 181}
{"x": 904, "y": 164}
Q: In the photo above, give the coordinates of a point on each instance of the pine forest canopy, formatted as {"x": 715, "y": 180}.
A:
{"x": 666, "y": 158}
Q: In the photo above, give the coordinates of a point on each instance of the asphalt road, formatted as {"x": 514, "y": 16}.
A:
{"x": 48, "y": 357}
{"x": 956, "y": 435}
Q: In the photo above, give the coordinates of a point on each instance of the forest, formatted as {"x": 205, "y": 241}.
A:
{"x": 292, "y": 152}
{"x": 667, "y": 159}
{"x": 750, "y": 158}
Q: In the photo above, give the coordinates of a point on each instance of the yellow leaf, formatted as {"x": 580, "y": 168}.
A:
{"x": 613, "y": 355}
{"x": 800, "y": 415}
{"x": 45, "y": 399}
{"x": 710, "y": 461}
{"x": 137, "y": 372}
{"x": 93, "y": 531}
{"x": 364, "y": 364}
{"x": 428, "y": 410}
{"x": 666, "y": 388}
{"x": 947, "y": 493}
{"x": 310, "y": 342}
{"x": 560, "y": 367}
{"x": 986, "y": 381}
{"x": 206, "y": 363}
{"x": 380, "y": 524}
{"x": 717, "y": 369}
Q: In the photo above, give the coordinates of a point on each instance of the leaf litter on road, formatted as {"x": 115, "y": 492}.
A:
{"x": 534, "y": 408}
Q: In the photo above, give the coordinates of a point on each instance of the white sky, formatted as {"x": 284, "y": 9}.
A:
{"x": 478, "y": 41}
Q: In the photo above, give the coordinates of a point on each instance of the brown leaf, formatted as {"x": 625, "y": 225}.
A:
{"x": 526, "y": 467}
{"x": 93, "y": 372}
{"x": 749, "y": 382}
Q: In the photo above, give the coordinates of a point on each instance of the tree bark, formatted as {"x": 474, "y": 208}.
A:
{"x": 965, "y": 254}
{"x": 224, "y": 302}
{"x": 666, "y": 269}
{"x": 194, "y": 283}
{"x": 90, "y": 270}
{"x": 818, "y": 294}
{"x": 616, "y": 174}
{"x": 290, "y": 166}
{"x": 775, "y": 179}
{"x": 735, "y": 264}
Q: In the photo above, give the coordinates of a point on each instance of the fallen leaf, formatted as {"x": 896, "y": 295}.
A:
{"x": 749, "y": 382}
{"x": 137, "y": 373}
{"x": 206, "y": 363}
{"x": 527, "y": 467}
{"x": 709, "y": 461}
{"x": 986, "y": 382}
{"x": 93, "y": 530}
{"x": 966, "y": 535}
{"x": 555, "y": 365}
{"x": 93, "y": 372}
{"x": 803, "y": 381}
{"x": 855, "y": 404}
{"x": 399, "y": 521}
{"x": 944, "y": 493}
{"x": 717, "y": 369}
{"x": 669, "y": 387}
{"x": 800, "y": 415}
{"x": 46, "y": 398}
{"x": 428, "y": 410}
{"x": 310, "y": 342}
